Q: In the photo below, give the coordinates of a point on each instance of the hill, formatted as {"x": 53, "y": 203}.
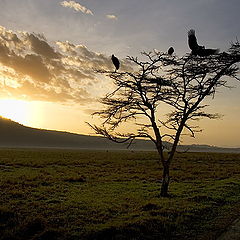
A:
{"x": 15, "y": 135}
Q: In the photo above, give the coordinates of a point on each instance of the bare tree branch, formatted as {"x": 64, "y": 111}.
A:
{"x": 161, "y": 81}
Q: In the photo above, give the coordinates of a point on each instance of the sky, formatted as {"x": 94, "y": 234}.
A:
{"x": 48, "y": 50}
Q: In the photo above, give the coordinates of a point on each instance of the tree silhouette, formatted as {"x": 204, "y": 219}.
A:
{"x": 160, "y": 82}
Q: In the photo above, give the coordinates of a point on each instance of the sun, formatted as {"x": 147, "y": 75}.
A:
{"x": 16, "y": 110}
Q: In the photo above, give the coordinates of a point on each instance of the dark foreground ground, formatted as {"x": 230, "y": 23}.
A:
{"x": 68, "y": 195}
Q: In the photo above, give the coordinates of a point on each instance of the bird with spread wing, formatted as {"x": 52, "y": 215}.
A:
{"x": 198, "y": 50}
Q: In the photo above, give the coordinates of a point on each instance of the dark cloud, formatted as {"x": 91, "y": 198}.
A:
{"x": 31, "y": 65}
{"x": 4, "y": 51}
{"x": 41, "y": 47}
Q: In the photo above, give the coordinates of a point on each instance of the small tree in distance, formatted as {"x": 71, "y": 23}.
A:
{"x": 180, "y": 83}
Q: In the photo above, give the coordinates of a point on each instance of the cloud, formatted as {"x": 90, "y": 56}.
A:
{"x": 76, "y": 6}
{"x": 32, "y": 67}
{"x": 41, "y": 47}
{"x": 113, "y": 17}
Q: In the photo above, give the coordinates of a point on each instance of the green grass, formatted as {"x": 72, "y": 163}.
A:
{"x": 54, "y": 194}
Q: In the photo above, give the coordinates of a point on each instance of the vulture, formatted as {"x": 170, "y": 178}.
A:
{"x": 197, "y": 49}
{"x": 170, "y": 50}
{"x": 192, "y": 43}
{"x": 207, "y": 52}
{"x": 116, "y": 62}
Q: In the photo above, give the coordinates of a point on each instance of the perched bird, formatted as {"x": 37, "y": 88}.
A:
{"x": 170, "y": 50}
{"x": 197, "y": 49}
{"x": 116, "y": 62}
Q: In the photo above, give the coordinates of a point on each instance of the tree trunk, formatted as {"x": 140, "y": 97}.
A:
{"x": 165, "y": 180}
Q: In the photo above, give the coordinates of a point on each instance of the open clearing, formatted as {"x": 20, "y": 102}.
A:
{"x": 63, "y": 194}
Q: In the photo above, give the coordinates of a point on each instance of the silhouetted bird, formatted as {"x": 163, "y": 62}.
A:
{"x": 197, "y": 49}
{"x": 170, "y": 50}
{"x": 207, "y": 52}
{"x": 116, "y": 62}
{"x": 192, "y": 42}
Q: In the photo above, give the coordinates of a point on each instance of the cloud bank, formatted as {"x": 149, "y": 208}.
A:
{"x": 76, "y": 6}
{"x": 34, "y": 69}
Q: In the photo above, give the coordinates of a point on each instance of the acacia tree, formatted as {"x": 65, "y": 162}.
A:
{"x": 180, "y": 83}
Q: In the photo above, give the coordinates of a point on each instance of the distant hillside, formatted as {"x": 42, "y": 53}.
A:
{"x": 15, "y": 135}
{"x": 207, "y": 148}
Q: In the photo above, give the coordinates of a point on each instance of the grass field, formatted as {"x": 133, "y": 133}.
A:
{"x": 60, "y": 194}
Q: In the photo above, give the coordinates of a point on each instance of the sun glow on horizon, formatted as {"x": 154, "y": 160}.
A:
{"x": 16, "y": 110}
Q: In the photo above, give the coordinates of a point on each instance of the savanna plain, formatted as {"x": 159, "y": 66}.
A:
{"x": 70, "y": 195}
